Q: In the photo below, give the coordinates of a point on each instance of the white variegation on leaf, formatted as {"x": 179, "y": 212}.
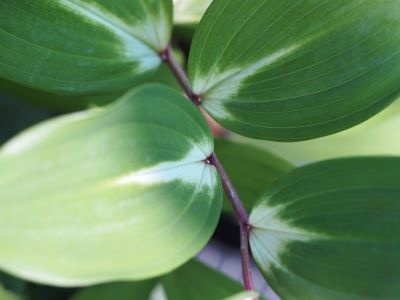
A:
{"x": 82, "y": 46}
{"x": 115, "y": 193}
{"x": 331, "y": 231}
{"x": 295, "y": 70}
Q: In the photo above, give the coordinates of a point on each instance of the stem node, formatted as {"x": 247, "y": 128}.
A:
{"x": 239, "y": 210}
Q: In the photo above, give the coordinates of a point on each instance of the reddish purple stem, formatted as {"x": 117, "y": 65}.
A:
{"x": 233, "y": 197}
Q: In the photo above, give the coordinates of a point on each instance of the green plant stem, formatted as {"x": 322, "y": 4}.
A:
{"x": 233, "y": 197}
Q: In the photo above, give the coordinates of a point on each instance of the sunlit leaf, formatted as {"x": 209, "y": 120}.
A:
{"x": 189, "y": 11}
{"x": 115, "y": 193}
{"x": 82, "y": 46}
{"x": 294, "y": 70}
{"x": 331, "y": 230}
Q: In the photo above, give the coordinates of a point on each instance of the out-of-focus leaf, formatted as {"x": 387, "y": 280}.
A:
{"x": 195, "y": 281}
{"x": 251, "y": 169}
{"x": 139, "y": 290}
{"x": 115, "y": 193}
{"x": 243, "y": 296}
{"x": 15, "y": 116}
{"x": 189, "y": 12}
{"x": 80, "y": 46}
{"x": 331, "y": 230}
{"x": 288, "y": 70}
{"x": 7, "y": 295}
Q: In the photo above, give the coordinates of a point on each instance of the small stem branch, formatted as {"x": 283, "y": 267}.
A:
{"x": 241, "y": 216}
{"x": 168, "y": 57}
{"x": 233, "y": 197}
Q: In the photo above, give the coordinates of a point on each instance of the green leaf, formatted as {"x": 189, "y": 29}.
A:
{"x": 121, "y": 192}
{"x": 139, "y": 290}
{"x": 331, "y": 230}
{"x": 6, "y": 295}
{"x": 82, "y": 46}
{"x": 294, "y": 70}
{"x": 251, "y": 169}
{"x": 377, "y": 136}
{"x": 189, "y": 12}
{"x": 196, "y": 281}
{"x": 243, "y": 296}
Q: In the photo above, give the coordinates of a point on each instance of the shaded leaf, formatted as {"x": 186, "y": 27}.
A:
{"x": 81, "y": 46}
{"x": 331, "y": 230}
{"x": 114, "y": 193}
{"x": 295, "y": 70}
{"x": 196, "y": 281}
{"x": 251, "y": 169}
{"x": 139, "y": 290}
{"x": 6, "y": 295}
{"x": 15, "y": 116}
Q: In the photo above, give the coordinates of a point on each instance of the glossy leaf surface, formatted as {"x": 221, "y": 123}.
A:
{"x": 295, "y": 70}
{"x": 114, "y": 193}
{"x": 196, "y": 281}
{"x": 252, "y": 169}
{"x": 82, "y": 46}
{"x": 331, "y": 230}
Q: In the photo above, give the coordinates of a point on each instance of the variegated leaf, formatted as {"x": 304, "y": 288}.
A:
{"x": 288, "y": 70}
{"x": 113, "y": 193}
{"x": 82, "y": 46}
{"x": 331, "y": 230}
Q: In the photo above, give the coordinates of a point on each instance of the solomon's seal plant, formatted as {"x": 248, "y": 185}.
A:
{"x": 133, "y": 190}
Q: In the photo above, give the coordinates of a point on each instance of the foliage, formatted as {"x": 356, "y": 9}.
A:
{"x": 122, "y": 186}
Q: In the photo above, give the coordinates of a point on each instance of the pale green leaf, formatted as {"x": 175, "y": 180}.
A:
{"x": 189, "y": 11}
{"x": 138, "y": 290}
{"x": 294, "y": 70}
{"x": 331, "y": 230}
{"x": 243, "y": 296}
{"x": 251, "y": 169}
{"x": 82, "y": 46}
{"x": 121, "y": 192}
{"x": 196, "y": 281}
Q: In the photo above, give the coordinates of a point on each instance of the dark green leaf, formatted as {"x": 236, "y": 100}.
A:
{"x": 288, "y": 70}
{"x": 331, "y": 230}
{"x": 195, "y": 281}
{"x": 82, "y": 46}
{"x": 139, "y": 290}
